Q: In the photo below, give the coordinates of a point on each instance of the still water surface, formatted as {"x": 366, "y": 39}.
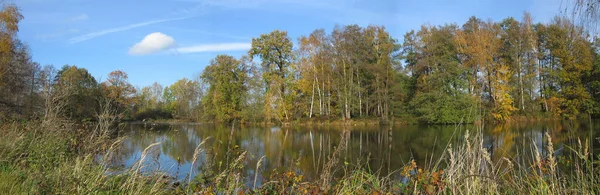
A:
{"x": 306, "y": 149}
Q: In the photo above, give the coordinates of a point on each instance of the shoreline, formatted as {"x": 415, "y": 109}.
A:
{"x": 360, "y": 121}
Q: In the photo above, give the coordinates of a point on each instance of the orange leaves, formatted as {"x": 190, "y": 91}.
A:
{"x": 9, "y": 26}
{"x": 118, "y": 88}
{"x": 10, "y": 16}
{"x": 554, "y": 104}
{"x": 425, "y": 181}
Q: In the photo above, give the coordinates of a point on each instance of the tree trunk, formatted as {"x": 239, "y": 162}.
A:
{"x": 312, "y": 98}
{"x": 520, "y": 83}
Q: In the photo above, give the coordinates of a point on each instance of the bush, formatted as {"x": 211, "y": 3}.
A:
{"x": 153, "y": 114}
{"x": 439, "y": 108}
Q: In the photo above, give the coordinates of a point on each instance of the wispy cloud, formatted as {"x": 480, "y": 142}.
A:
{"x": 203, "y": 32}
{"x": 152, "y": 43}
{"x": 79, "y": 18}
{"x": 50, "y": 36}
{"x": 217, "y": 47}
{"x": 339, "y": 11}
{"x": 92, "y": 35}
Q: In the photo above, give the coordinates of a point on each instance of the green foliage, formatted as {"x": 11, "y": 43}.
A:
{"x": 227, "y": 78}
{"x": 152, "y": 114}
{"x": 82, "y": 91}
{"x": 574, "y": 57}
{"x": 182, "y": 99}
{"x": 439, "y": 108}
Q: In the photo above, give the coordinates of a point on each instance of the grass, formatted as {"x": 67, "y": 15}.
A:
{"x": 59, "y": 157}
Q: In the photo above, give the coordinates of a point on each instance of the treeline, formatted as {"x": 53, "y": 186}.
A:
{"x": 437, "y": 74}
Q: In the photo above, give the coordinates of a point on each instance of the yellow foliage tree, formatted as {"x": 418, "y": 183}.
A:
{"x": 9, "y": 26}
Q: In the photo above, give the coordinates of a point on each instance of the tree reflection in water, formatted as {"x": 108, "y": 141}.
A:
{"x": 307, "y": 149}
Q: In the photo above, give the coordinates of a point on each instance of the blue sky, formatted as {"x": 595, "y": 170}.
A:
{"x": 166, "y": 40}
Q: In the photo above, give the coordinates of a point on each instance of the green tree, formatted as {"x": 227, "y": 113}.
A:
{"x": 592, "y": 78}
{"x": 82, "y": 89}
{"x": 574, "y": 56}
{"x": 439, "y": 80}
{"x": 183, "y": 99}
{"x": 227, "y": 89}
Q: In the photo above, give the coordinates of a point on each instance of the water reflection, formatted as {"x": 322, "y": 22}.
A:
{"x": 308, "y": 149}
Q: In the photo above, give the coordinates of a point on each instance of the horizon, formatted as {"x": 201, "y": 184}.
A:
{"x": 167, "y": 41}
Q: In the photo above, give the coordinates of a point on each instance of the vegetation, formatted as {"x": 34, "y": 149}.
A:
{"x": 437, "y": 74}
{"x": 59, "y": 127}
{"x": 59, "y": 157}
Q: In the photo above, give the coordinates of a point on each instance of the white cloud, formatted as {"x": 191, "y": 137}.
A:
{"x": 92, "y": 35}
{"x": 79, "y": 18}
{"x": 152, "y": 43}
{"x": 214, "y": 47}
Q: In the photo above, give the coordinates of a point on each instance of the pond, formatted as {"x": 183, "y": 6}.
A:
{"x": 306, "y": 149}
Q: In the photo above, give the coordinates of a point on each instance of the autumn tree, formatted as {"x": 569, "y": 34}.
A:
{"x": 518, "y": 52}
{"x": 275, "y": 52}
{"x": 478, "y": 45}
{"x": 118, "y": 89}
{"x": 10, "y": 16}
{"x": 314, "y": 65}
{"x": 18, "y": 73}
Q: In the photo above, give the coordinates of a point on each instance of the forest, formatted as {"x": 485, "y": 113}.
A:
{"x": 478, "y": 71}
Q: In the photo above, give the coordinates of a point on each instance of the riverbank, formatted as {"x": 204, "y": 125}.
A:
{"x": 58, "y": 157}
{"x": 366, "y": 121}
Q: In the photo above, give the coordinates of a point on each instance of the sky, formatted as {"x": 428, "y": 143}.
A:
{"x": 166, "y": 40}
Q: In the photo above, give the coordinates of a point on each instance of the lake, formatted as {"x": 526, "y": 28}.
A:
{"x": 306, "y": 149}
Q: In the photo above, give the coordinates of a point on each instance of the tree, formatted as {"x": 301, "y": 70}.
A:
{"x": 592, "y": 78}
{"x": 573, "y": 57}
{"x": 120, "y": 91}
{"x": 227, "y": 79}
{"x": 10, "y": 16}
{"x": 20, "y": 95}
{"x": 478, "y": 44}
{"x": 275, "y": 51}
{"x": 82, "y": 89}
{"x": 587, "y": 12}
{"x": 518, "y": 53}
{"x": 382, "y": 49}
{"x": 183, "y": 98}
{"x": 315, "y": 71}
{"x": 253, "y": 109}
{"x": 439, "y": 81}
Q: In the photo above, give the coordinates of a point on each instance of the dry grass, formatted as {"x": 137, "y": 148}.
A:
{"x": 55, "y": 156}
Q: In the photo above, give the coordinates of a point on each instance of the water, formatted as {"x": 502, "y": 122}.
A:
{"x": 306, "y": 149}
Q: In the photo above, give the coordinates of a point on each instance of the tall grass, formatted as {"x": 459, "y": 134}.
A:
{"x": 55, "y": 156}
